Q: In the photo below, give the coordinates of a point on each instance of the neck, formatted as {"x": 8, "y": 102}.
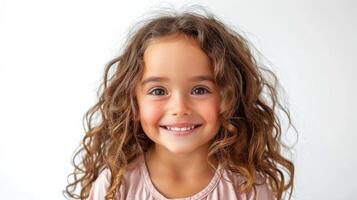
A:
{"x": 192, "y": 164}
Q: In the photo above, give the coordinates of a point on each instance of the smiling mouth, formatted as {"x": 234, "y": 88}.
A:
{"x": 184, "y": 129}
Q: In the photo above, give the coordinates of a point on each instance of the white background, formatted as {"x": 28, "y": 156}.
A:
{"x": 52, "y": 56}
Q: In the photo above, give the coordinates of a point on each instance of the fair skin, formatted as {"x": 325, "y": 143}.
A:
{"x": 178, "y": 165}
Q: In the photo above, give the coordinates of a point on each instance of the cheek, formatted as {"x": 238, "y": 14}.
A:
{"x": 211, "y": 114}
{"x": 150, "y": 113}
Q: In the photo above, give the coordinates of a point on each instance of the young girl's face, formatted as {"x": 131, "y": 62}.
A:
{"x": 178, "y": 90}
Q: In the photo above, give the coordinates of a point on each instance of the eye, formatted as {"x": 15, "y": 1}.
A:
{"x": 157, "y": 92}
{"x": 196, "y": 91}
{"x": 201, "y": 90}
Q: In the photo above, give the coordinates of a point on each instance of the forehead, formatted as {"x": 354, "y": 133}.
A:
{"x": 175, "y": 56}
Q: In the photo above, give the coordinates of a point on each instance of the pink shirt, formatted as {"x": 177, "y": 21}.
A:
{"x": 139, "y": 186}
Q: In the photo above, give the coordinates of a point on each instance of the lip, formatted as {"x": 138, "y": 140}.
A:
{"x": 182, "y": 133}
{"x": 181, "y": 125}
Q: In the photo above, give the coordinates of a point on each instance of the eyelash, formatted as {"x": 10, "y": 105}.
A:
{"x": 206, "y": 91}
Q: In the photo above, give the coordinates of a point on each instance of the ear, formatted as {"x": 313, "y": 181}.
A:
{"x": 135, "y": 109}
{"x": 136, "y": 116}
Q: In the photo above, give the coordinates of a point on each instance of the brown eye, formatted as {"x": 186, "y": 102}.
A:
{"x": 157, "y": 92}
{"x": 200, "y": 90}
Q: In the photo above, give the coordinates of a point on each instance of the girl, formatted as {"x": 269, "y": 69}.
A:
{"x": 183, "y": 116}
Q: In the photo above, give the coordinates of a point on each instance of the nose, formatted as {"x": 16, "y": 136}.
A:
{"x": 180, "y": 105}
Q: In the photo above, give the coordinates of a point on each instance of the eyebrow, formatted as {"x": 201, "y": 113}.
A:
{"x": 164, "y": 79}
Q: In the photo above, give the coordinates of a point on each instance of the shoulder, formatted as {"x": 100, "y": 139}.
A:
{"x": 262, "y": 191}
{"x": 101, "y": 184}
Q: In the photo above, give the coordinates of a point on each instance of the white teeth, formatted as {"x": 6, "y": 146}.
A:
{"x": 180, "y": 129}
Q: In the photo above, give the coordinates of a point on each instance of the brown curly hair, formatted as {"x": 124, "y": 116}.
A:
{"x": 249, "y": 139}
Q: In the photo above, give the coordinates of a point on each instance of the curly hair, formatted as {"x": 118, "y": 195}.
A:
{"x": 249, "y": 139}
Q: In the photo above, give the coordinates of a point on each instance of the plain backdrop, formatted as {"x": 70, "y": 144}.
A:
{"x": 52, "y": 56}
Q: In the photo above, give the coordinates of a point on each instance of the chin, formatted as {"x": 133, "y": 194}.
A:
{"x": 185, "y": 149}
